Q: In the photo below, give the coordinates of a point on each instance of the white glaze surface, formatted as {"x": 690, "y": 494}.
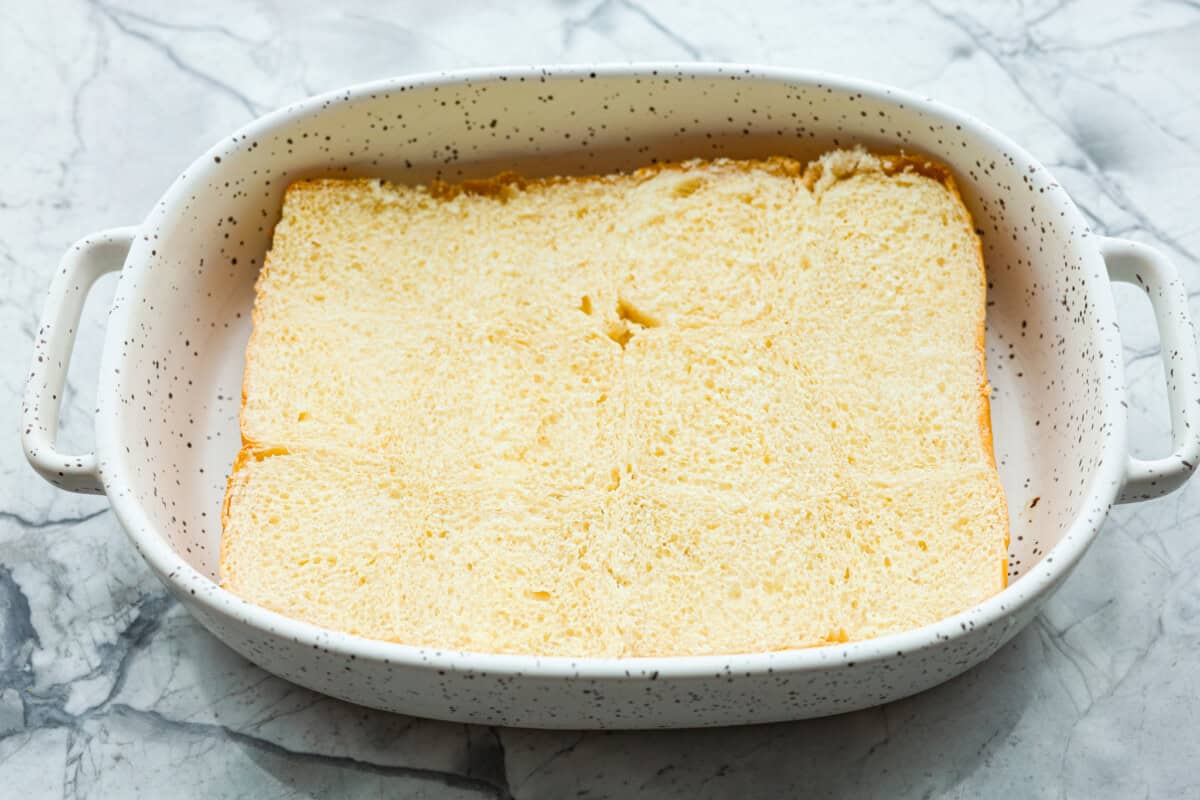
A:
{"x": 111, "y": 102}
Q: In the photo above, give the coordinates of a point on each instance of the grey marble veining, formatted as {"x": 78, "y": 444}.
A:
{"x": 109, "y": 690}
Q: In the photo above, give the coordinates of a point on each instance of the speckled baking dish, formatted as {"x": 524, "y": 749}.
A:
{"x": 170, "y": 382}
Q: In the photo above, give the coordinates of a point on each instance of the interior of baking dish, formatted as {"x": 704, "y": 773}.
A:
{"x": 179, "y": 381}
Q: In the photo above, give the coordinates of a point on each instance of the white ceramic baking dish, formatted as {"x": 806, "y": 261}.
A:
{"x": 169, "y": 388}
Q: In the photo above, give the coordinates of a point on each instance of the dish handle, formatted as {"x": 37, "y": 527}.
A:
{"x": 84, "y": 263}
{"x": 1147, "y": 268}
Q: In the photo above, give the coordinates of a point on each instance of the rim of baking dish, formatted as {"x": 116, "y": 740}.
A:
{"x": 186, "y": 580}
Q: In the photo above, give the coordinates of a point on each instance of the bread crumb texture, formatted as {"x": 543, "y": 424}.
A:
{"x": 714, "y": 407}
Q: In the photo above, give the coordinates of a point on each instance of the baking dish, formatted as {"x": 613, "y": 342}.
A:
{"x": 170, "y": 378}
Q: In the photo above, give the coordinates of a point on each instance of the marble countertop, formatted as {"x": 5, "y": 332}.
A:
{"x": 109, "y": 690}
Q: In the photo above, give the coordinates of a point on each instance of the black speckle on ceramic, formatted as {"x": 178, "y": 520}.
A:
{"x": 182, "y": 319}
